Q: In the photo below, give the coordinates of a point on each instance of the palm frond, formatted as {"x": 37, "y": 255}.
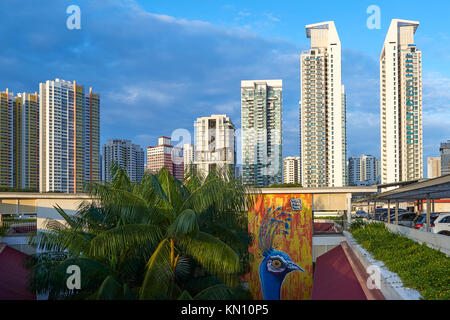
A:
{"x": 159, "y": 274}
{"x": 114, "y": 241}
{"x": 213, "y": 255}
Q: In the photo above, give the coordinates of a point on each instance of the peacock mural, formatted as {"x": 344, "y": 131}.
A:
{"x": 276, "y": 264}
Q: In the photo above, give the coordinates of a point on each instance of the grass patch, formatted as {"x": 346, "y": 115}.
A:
{"x": 329, "y": 218}
{"x": 418, "y": 266}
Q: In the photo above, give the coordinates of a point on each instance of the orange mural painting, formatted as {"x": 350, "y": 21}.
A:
{"x": 281, "y": 264}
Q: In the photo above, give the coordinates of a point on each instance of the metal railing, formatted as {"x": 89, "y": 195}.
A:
{"x": 331, "y": 225}
{"x": 14, "y": 227}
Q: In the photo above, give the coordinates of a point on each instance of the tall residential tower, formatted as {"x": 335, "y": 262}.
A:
{"x": 322, "y": 114}
{"x": 19, "y": 133}
{"x": 69, "y": 137}
{"x": 401, "y": 104}
{"x": 261, "y": 104}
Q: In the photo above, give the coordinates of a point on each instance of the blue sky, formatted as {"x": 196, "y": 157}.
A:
{"x": 158, "y": 65}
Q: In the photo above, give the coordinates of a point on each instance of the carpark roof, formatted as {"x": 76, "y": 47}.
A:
{"x": 437, "y": 188}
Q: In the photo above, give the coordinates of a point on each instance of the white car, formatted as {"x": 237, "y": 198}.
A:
{"x": 442, "y": 224}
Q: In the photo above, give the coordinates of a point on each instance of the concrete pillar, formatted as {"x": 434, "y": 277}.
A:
{"x": 396, "y": 212}
{"x": 428, "y": 213}
{"x": 432, "y": 206}
{"x": 389, "y": 212}
{"x": 368, "y": 208}
{"x": 349, "y": 208}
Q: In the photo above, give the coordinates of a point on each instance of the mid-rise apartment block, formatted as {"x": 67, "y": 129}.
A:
{"x": 292, "y": 170}
{"x": 166, "y": 155}
{"x": 125, "y": 154}
{"x": 364, "y": 170}
{"x": 323, "y": 110}
{"x": 261, "y": 109}
{"x": 445, "y": 158}
{"x": 433, "y": 167}
{"x": 401, "y": 104}
{"x": 214, "y": 144}
{"x": 69, "y": 136}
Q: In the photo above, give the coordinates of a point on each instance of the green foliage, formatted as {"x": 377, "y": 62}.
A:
{"x": 285, "y": 185}
{"x": 419, "y": 267}
{"x": 149, "y": 240}
{"x": 357, "y": 224}
{"x": 3, "y": 230}
{"x": 9, "y": 189}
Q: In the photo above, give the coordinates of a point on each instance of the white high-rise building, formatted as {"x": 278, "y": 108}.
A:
{"x": 322, "y": 114}
{"x": 292, "y": 170}
{"x": 214, "y": 143}
{"x": 188, "y": 156}
{"x": 127, "y": 155}
{"x": 261, "y": 118}
{"x": 401, "y": 104}
{"x": 69, "y": 137}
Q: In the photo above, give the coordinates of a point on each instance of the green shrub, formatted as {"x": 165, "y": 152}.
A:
{"x": 357, "y": 224}
{"x": 418, "y": 266}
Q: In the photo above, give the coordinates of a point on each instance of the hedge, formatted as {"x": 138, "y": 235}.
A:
{"x": 418, "y": 266}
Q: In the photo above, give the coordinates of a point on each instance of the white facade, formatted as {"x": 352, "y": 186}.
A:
{"x": 401, "y": 104}
{"x": 69, "y": 137}
{"x": 188, "y": 156}
{"x": 322, "y": 114}
{"x": 261, "y": 119}
{"x": 214, "y": 143}
{"x": 433, "y": 167}
{"x": 292, "y": 170}
{"x": 127, "y": 155}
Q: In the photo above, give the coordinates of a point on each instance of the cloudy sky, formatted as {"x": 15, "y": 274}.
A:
{"x": 158, "y": 65}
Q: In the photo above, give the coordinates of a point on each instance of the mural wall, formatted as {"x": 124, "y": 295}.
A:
{"x": 281, "y": 264}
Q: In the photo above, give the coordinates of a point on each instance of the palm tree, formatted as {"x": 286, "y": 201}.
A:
{"x": 156, "y": 239}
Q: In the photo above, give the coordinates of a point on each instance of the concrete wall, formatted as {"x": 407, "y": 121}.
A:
{"x": 432, "y": 240}
{"x": 324, "y": 243}
{"x": 45, "y": 209}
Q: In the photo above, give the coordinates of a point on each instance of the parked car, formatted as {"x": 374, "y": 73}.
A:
{"x": 377, "y": 213}
{"x": 406, "y": 219}
{"x": 361, "y": 214}
{"x": 442, "y": 224}
{"x": 383, "y": 216}
{"x": 420, "y": 223}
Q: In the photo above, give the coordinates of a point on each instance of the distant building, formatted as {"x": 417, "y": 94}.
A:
{"x": 214, "y": 143}
{"x": 127, "y": 155}
{"x": 69, "y": 136}
{"x": 433, "y": 167}
{"x": 188, "y": 156}
{"x": 445, "y": 158}
{"x": 166, "y": 155}
{"x": 363, "y": 170}
{"x": 292, "y": 170}
{"x": 261, "y": 108}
